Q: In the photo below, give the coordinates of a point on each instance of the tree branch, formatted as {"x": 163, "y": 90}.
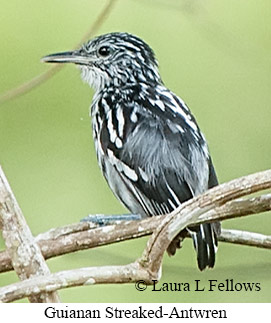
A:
{"x": 25, "y": 255}
{"x": 70, "y": 278}
{"x": 213, "y": 205}
{"x": 80, "y": 236}
{"x": 196, "y": 210}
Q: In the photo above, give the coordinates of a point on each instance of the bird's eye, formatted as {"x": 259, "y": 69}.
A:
{"x": 104, "y": 51}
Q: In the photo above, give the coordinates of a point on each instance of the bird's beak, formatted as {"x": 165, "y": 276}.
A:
{"x": 66, "y": 57}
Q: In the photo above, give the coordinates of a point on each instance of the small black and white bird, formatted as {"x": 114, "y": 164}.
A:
{"x": 148, "y": 144}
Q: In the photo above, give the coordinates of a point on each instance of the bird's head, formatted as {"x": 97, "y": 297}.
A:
{"x": 112, "y": 59}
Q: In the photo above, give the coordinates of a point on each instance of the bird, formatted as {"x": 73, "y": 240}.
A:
{"x": 149, "y": 146}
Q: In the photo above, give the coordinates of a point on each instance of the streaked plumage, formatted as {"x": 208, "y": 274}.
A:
{"x": 149, "y": 146}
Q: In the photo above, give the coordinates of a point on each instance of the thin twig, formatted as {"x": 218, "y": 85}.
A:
{"x": 39, "y": 79}
{"x": 246, "y": 238}
{"x": 24, "y": 252}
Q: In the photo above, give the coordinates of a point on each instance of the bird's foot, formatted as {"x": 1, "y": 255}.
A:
{"x": 102, "y": 219}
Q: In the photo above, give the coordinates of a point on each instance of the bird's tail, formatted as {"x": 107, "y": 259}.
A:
{"x": 205, "y": 242}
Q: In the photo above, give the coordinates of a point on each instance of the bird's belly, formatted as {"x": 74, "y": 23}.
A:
{"x": 120, "y": 187}
{"x": 113, "y": 177}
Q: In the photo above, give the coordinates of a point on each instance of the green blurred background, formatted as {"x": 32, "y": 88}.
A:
{"x": 214, "y": 54}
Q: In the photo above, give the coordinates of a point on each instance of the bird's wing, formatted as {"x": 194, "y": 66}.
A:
{"x": 158, "y": 151}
